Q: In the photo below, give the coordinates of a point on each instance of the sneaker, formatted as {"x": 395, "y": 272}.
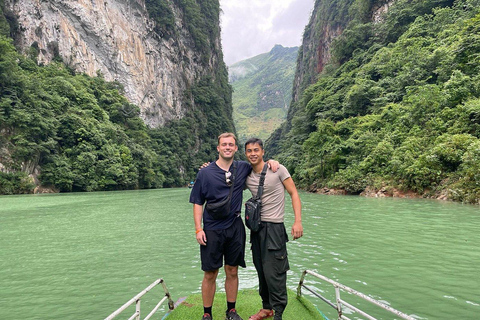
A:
{"x": 207, "y": 316}
{"x": 232, "y": 315}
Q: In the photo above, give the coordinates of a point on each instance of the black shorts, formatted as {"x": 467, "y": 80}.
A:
{"x": 226, "y": 243}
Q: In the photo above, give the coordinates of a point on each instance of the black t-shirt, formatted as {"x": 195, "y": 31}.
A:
{"x": 211, "y": 186}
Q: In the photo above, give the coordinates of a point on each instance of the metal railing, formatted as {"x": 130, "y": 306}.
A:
{"x": 136, "y": 300}
{"x": 340, "y": 303}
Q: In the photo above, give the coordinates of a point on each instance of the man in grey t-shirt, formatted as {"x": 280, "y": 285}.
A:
{"x": 269, "y": 244}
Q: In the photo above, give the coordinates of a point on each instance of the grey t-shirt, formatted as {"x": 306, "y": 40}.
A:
{"x": 273, "y": 198}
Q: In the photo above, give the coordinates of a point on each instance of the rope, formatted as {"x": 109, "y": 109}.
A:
{"x": 323, "y": 315}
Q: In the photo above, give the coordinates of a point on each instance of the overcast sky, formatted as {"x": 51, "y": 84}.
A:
{"x": 252, "y": 27}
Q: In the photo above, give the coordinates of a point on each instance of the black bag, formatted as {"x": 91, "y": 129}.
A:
{"x": 221, "y": 209}
{"x": 253, "y": 206}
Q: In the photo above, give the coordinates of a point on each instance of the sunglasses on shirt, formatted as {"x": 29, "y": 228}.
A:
{"x": 228, "y": 174}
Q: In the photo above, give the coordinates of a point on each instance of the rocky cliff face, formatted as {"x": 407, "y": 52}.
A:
{"x": 328, "y": 21}
{"x": 314, "y": 53}
{"x": 116, "y": 38}
{"x": 317, "y": 41}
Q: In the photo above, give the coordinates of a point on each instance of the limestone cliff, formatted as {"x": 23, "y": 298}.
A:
{"x": 117, "y": 39}
{"x": 315, "y": 50}
{"x": 328, "y": 21}
{"x": 325, "y": 25}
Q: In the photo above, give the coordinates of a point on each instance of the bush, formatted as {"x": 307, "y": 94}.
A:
{"x": 15, "y": 183}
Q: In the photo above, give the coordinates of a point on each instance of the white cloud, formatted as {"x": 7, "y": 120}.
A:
{"x": 253, "y": 27}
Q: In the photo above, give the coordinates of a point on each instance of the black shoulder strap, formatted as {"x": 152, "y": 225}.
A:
{"x": 233, "y": 177}
{"x": 262, "y": 180}
{"x": 234, "y": 171}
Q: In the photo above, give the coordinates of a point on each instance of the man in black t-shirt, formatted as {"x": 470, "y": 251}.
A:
{"x": 226, "y": 237}
{"x": 222, "y": 239}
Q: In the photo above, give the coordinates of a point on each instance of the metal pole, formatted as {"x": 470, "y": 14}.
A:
{"x": 155, "y": 309}
{"x": 359, "y": 294}
{"x": 321, "y": 297}
{"x": 134, "y": 299}
{"x": 339, "y": 305}
{"x": 137, "y": 309}
{"x": 348, "y": 305}
{"x": 171, "y": 304}
{"x": 300, "y": 284}
{"x": 134, "y": 315}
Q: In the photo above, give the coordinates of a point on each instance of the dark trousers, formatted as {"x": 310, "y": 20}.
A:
{"x": 269, "y": 251}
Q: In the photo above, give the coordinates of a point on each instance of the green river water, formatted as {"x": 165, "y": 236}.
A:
{"x": 82, "y": 255}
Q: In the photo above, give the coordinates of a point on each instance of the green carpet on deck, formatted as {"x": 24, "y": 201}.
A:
{"x": 248, "y": 303}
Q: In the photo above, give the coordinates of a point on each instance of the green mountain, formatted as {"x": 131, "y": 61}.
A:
{"x": 88, "y": 104}
{"x": 387, "y": 98}
{"x": 262, "y": 89}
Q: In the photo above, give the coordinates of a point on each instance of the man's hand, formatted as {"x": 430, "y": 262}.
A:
{"x": 204, "y": 165}
{"x": 202, "y": 238}
{"x": 273, "y": 164}
{"x": 297, "y": 230}
{"x": 197, "y": 219}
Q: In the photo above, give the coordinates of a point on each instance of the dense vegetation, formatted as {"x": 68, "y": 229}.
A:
{"x": 399, "y": 107}
{"x": 200, "y": 18}
{"x": 84, "y": 135}
{"x": 4, "y": 26}
{"x": 262, "y": 88}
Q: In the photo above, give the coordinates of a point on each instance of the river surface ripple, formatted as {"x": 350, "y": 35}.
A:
{"x": 81, "y": 256}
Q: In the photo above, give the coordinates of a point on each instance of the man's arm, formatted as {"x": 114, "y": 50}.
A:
{"x": 297, "y": 228}
{"x": 197, "y": 218}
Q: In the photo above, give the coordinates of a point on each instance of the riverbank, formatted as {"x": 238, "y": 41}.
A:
{"x": 445, "y": 194}
{"x": 386, "y": 192}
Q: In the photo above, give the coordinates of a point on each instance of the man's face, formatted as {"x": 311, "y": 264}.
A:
{"x": 227, "y": 148}
{"x": 254, "y": 153}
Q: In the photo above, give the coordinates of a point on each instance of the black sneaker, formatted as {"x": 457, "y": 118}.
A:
{"x": 207, "y": 316}
{"x": 232, "y": 315}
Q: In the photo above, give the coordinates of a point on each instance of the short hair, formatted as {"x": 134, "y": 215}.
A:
{"x": 227, "y": 135}
{"x": 254, "y": 141}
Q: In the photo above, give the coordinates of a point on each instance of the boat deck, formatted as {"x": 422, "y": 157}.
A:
{"x": 248, "y": 303}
